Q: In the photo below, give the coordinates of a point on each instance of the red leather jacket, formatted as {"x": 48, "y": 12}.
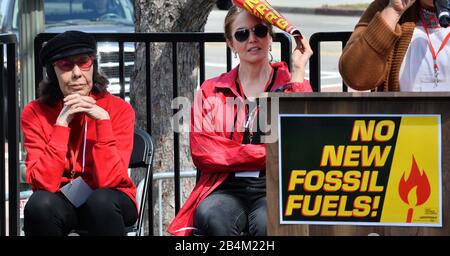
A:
{"x": 213, "y": 152}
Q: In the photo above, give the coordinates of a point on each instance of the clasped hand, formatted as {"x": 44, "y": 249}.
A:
{"x": 76, "y": 103}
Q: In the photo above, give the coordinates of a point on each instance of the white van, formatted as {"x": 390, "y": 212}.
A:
{"x": 117, "y": 16}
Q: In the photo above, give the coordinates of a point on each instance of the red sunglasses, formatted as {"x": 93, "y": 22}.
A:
{"x": 83, "y": 62}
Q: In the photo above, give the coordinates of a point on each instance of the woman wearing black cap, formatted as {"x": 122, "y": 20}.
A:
{"x": 78, "y": 140}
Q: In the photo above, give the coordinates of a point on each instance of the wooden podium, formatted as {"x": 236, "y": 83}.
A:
{"x": 376, "y": 103}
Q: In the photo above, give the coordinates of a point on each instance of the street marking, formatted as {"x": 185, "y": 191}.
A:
{"x": 327, "y": 74}
{"x": 215, "y": 65}
{"x": 331, "y": 85}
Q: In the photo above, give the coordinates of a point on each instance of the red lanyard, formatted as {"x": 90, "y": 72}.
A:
{"x": 75, "y": 151}
{"x": 430, "y": 44}
{"x": 252, "y": 115}
{"x": 250, "y": 122}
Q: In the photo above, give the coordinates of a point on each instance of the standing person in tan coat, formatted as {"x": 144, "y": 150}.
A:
{"x": 397, "y": 45}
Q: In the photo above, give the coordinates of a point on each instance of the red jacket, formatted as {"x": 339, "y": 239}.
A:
{"x": 109, "y": 145}
{"x": 213, "y": 152}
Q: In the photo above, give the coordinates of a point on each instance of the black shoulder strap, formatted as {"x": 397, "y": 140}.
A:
{"x": 238, "y": 89}
{"x": 269, "y": 88}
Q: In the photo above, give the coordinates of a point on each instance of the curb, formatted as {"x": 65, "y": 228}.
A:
{"x": 320, "y": 11}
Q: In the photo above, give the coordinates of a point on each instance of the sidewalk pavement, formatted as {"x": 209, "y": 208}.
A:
{"x": 324, "y": 7}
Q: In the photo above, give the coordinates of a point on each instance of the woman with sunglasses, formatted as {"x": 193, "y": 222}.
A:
{"x": 230, "y": 196}
{"x": 78, "y": 140}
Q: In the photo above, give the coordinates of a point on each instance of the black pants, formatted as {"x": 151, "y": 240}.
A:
{"x": 238, "y": 205}
{"x": 106, "y": 212}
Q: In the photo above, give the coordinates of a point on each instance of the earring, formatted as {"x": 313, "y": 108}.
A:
{"x": 235, "y": 54}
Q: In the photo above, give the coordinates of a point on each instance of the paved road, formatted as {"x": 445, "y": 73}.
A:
{"x": 308, "y": 24}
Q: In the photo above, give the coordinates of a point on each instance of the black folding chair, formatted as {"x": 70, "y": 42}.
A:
{"x": 141, "y": 157}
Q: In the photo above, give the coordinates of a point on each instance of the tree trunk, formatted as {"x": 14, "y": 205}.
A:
{"x": 167, "y": 16}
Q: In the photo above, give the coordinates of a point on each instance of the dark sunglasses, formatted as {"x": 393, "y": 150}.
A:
{"x": 259, "y": 30}
{"x": 83, "y": 62}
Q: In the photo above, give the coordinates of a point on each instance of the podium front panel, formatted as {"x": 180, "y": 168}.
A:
{"x": 360, "y": 104}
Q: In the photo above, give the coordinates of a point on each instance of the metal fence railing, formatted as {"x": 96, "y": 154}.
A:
{"x": 9, "y": 137}
{"x": 159, "y": 179}
{"x": 314, "y": 63}
{"x": 9, "y": 128}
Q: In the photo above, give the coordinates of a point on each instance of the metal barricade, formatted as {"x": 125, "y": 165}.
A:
{"x": 314, "y": 63}
{"x": 9, "y": 137}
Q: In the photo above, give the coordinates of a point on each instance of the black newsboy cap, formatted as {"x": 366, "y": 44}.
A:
{"x": 69, "y": 43}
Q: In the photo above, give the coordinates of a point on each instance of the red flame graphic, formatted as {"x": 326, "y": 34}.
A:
{"x": 416, "y": 180}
